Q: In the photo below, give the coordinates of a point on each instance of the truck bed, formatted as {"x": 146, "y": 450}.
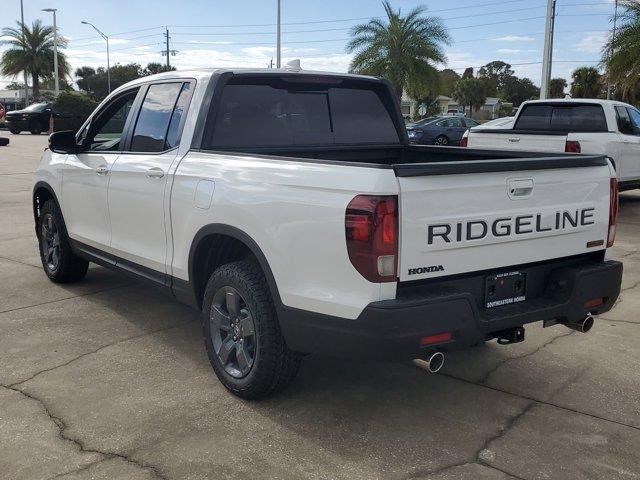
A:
{"x": 412, "y": 160}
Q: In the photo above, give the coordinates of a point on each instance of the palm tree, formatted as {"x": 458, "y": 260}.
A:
{"x": 31, "y": 51}
{"x": 403, "y": 49}
{"x": 556, "y": 87}
{"x": 587, "y": 83}
{"x": 622, "y": 53}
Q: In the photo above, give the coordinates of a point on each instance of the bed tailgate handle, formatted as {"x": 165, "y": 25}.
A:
{"x": 519, "y": 188}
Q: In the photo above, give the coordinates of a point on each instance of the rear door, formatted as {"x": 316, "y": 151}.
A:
{"x": 628, "y": 161}
{"x": 458, "y": 223}
{"x": 139, "y": 176}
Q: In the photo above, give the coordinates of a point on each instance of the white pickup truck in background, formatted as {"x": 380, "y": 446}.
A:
{"x": 603, "y": 127}
{"x": 290, "y": 208}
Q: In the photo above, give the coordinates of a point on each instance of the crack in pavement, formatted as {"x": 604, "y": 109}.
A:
{"x": 133, "y": 337}
{"x": 485, "y": 378}
{"x": 62, "y": 426}
{"x": 540, "y": 401}
{"x": 429, "y": 473}
{"x": 108, "y": 289}
{"x": 20, "y": 262}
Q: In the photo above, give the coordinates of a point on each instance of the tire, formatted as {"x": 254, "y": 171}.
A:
{"x": 58, "y": 260}
{"x": 35, "y": 128}
{"x": 241, "y": 333}
{"x": 441, "y": 140}
{"x": 15, "y": 131}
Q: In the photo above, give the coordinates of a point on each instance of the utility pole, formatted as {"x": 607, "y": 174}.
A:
{"x": 167, "y": 51}
{"x": 548, "y": 50}
{"x": 278, "y": 47}
{"x": 26, "y": 86}
{"x": 55, "y": 50}
{"x": 613, "y": 37}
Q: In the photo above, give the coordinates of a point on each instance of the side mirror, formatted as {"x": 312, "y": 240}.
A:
{"x": 63, "y": 142}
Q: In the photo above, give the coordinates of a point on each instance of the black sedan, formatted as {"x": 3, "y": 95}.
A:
{"x": 34, "y": 118}
{"x": 446, "y": 130}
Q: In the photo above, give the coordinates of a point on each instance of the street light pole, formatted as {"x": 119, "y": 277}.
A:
{"x": 26, "y": 86}
{"x": 106, "y": 38}
{"x": 55, "y": 51}
{"x": 548, "y": 50}
{"x": 278, "y": 49}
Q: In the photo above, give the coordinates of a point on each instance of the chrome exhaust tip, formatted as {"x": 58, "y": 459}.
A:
{"x": 434, "y": 362}
{"x": 582, "y": 326}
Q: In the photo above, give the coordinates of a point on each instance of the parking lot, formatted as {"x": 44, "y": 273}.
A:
{"x": 108, "y": 379}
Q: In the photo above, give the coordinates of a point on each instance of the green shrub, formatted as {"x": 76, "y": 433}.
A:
{"x": 71, "y": 110}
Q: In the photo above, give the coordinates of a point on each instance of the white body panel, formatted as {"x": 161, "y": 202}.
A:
{"x": 623, "y": 149}
{"x": 486, "y": 197}
{"x": 295, "y": 212}
{"x": 137, "y": 210}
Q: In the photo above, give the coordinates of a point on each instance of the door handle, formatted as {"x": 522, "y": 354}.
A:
{"x": 155, "y": 172}
{"x": 102, "y": 170}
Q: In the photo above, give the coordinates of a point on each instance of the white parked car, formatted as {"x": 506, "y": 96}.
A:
{"x": 603, "y": 127}
{"x": 291, "y": 210}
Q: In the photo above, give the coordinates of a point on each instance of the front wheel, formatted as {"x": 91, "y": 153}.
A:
{"x": 241, "y": 333}
{"x": 58, "y": 260}
{"x": 15, "y": 131}
{"x": 441, "y": 140}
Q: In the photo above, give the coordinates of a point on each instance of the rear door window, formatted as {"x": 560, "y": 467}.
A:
{"x": 269, "y": 116}
{"x": 155, "y": 114}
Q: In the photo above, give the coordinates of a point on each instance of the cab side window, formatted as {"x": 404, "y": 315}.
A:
{"x": 105, "y": 132}
{"x": 156, "y": 112}
{"x": 624, "y": 121}
{"x": 635, "y": 120}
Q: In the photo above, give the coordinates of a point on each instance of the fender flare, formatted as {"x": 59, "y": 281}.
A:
{"x": 42, "y": 185}
{"x": 252, "y": 245}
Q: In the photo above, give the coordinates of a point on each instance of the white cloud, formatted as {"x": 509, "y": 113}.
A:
{"x": 515, "y": 38}
{"x": 592, "y": 42}
{"x": 508, "y": 51}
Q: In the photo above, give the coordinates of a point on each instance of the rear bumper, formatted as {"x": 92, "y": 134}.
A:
{"x": 393, "y": 328}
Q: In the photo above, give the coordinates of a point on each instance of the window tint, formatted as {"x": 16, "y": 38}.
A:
{"x": 624, "y": 121}
{"x": 105, "y": 131}
{"x": 635, "y": 118}
{"x": 173, "y": 134}
{"x": 572, "y": 118}
{"x": 153, "y": 120}
{"x": 264, "y": 115}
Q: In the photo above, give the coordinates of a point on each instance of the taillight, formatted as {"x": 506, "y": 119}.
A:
{"x": 613, "y": 211}
{"x": 464, "y": 141}
{"x": 371, "y": 225}
{"x": 572, "y": 146}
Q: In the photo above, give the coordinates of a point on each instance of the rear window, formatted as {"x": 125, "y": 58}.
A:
{"x": 280, "y": 115}
{"x": 568, "y": 118}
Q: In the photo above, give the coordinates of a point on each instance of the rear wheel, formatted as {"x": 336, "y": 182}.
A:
{"x": 35, "y": 128}
{"x": 441, "y": 140}
{"x": 241, "y": 333}
{"x": 58, "y": 260}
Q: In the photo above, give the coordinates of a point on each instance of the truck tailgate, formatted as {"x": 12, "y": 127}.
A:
{"x": 516, "y": 140}
{"x": 453, "y": 223}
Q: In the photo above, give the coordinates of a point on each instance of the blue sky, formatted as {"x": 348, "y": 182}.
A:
{"x": 212, "y": 33}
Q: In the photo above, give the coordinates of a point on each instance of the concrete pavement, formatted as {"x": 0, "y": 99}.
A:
{"x": 108, "y": 379}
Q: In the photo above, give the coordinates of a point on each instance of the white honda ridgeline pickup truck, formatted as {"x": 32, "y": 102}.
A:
{"x": 602, "y": 127}
{"x": 291, "y": 210}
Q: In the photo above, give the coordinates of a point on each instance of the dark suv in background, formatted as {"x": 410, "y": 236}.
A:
{"x": 34, "y": 118}
{"x": 446, "y": 130}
